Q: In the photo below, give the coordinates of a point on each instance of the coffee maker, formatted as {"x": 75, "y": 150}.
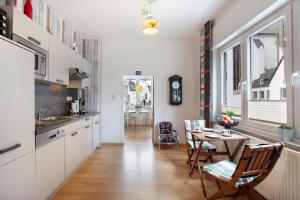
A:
{"x": 75, "y": 108}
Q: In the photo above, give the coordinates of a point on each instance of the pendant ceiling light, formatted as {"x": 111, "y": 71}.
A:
{"x": 150, "y": 24}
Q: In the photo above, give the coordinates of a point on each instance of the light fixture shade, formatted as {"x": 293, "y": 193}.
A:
{"x": 150, "y": 25}
{"x": 139, "y": 89}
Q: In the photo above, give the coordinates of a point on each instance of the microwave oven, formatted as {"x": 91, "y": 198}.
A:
{"x": 40, "y": 60}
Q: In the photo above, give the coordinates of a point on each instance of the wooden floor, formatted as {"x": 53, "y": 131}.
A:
{"x": 137, "y": 171}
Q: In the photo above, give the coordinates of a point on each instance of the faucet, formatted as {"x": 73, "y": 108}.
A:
{"x": 40, "y": 114}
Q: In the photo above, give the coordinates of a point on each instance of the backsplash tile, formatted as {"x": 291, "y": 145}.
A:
{"x": 53, "y": 95}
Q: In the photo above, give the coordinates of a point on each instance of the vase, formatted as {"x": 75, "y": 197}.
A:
{"x": 28, "y": 9}
{"x": 286, "y": 134}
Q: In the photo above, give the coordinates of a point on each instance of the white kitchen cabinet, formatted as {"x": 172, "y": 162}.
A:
{"x": 73, "y": 150}
{"x": 17, "y": 179}
{"x": 87, "y": 68}
{"x": 96, "y": 131}
{"x": 17, "y": 102}
{"x": 29, "y": 30}
{"x": 87, "y": 136}
{"x": 75, "y": 59}
{"x": 50, "y": 167}
{"x": 58, "y": 62}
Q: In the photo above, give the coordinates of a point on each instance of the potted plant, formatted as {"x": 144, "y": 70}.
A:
{"x": 286, "y": 132}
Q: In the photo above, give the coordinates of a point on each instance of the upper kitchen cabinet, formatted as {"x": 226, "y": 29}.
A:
{"x": 75, "y": 59}
{"x": 87, "y": 68}
{"x": 28, "y": 29}
{"x": 58, "y": 62}
{"x": 17, "y": 101}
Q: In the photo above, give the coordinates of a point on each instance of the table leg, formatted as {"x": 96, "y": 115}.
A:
{"x": 237, "y": 149}
{"x": 228, "y": 151}
{"x": 196, "y": 159}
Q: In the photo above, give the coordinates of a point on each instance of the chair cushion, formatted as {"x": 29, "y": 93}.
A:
{"x": 167, "y": 138}
{"x": 205, "y": 145}
{"x": 165, "y": 128}
{"x": 224, "y": 170}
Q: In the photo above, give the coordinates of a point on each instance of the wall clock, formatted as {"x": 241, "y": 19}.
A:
{"x": 175, "y": 90}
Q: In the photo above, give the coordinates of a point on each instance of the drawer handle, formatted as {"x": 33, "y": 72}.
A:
{"x": 3, "y": 151}
{"x": 87, "y": 127}
{"x": 87, "y": 119}
{"x": 96, "y": 122}
{"x": 52, "y": 136}
{"x": 34, "y": 40}
{"x": 73, "y": 134}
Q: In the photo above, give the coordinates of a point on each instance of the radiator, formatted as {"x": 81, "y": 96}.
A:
{"x": 284, "y": 181}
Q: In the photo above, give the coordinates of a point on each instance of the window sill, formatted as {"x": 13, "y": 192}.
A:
{"x": 270, "y": 137}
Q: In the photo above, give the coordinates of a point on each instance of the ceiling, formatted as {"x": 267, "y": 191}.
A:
{"x": 121, "y": 18}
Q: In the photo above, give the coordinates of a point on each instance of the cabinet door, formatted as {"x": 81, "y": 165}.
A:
{"x": 96, "y": 132}
{"x": 18, "y": 179}
{"x": 87, "y": 138}
{"x": 58, "y": 62}
{"x": 17, "y": 102}
{"x": 50, "y": 174}
{"x": 73, "y": 148}
{"x": 29, "y": 30}
{"x": 87, "y": 68}
{"x": 75, "y": 59}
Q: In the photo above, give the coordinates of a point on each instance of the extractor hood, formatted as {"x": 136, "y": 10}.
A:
{"x": 77, "y": 74}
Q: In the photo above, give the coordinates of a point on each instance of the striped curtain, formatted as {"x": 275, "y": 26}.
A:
{"x": 205, "y": 72}
{"x": 90, "y": 52}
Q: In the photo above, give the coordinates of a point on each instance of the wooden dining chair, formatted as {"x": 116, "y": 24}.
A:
{"x": 193, "y": 143}
{"x": 255, "y": 164}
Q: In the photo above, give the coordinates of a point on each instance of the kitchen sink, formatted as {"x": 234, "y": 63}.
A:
{"x": 52, "y": 120}
{"x": 57, "y": 118}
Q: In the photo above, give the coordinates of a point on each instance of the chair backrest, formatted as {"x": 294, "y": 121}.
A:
{"x": 165, "y": 127}
{"x": 257, "y": 160}
{"x": 192, "y": 125}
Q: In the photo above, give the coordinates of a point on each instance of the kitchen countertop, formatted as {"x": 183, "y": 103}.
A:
{"x": 54, "y": 125}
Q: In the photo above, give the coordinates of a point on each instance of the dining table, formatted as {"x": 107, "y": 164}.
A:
{"x": 204, "y": 136}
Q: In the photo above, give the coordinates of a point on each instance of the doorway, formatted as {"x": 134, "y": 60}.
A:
{"x": 138, "y": 108}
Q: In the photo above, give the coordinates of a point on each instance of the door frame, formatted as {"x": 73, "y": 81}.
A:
{"x": 138, "y": 77}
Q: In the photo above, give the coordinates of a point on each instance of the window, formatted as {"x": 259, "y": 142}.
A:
{"x": 262, "y": 95}
{"x": 283, "y": 93}
{"x": 254, "y": 95}
{"x": 231, "y": 75}
{"x": 236, "y": 67}
{"x": 265, "y": 99}
{"x": 268, "y": 94}
{"x": 266, "y": 72}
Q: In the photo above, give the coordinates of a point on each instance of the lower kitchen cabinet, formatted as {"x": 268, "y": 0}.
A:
{"x": 87, "y": 138}
{"x": 73, "y": 150}
{"x": 50, "y": 167}
{"x": 17, "y": 179}
{"x": 96, "y": 132}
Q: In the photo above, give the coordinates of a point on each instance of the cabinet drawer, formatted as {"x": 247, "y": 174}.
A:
{"x": 29, "y": 30}
{"x": 18, "y": 179}
{"x": 73, "y": 127}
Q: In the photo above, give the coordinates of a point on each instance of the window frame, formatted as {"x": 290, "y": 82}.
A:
{"x": 221, "y": 51}
{"x": 243, "y": 40}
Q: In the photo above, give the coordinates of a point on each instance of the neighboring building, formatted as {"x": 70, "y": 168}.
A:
{"x": 271, "y": 84}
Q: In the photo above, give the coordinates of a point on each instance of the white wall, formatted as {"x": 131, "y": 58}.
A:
{"x": 160, "y": 58}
